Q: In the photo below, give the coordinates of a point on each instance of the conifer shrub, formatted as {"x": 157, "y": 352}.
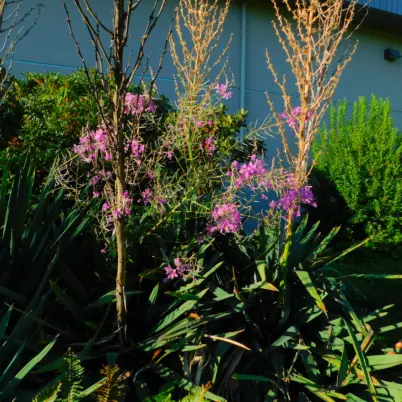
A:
{"x": 361, "y": 154}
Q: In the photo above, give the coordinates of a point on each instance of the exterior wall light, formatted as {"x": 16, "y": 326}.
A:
{"x": 392, "y": 54}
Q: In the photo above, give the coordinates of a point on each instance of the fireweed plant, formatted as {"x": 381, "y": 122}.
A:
{"x": 190, "y": 159}
{"x": 310, "y": 34}
{"x": 142, "y": 162}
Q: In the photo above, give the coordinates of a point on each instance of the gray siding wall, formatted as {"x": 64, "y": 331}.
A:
{"x": 50, "y": 48}
{"x": 391, "y": 6}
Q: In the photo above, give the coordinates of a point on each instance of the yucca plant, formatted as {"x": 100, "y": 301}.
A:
{"x": 35, "y": 235}
{"x": 226, "y": 327}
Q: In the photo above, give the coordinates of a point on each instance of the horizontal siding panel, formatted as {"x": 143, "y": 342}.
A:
{"x": 390, "y": 6}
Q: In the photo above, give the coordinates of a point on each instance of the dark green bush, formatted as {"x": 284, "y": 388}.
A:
{"x": 362, "y": 156}
{"x": 44, "y": 114}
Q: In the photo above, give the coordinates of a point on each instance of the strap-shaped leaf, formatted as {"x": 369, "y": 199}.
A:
{"x": 305, "y": 279}
{"x": 362, "y": 360}
{"x": 186, "y": 306}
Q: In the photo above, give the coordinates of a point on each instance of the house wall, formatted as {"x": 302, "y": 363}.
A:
{"x": 49, "y": 47}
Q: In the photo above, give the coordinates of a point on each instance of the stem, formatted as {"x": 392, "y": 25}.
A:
{"x": 285, "y": 257}
{"x": 121, "y": 274}
{"x": 118, "y": 73}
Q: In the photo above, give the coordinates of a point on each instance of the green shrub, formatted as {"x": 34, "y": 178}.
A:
{"x": 362, "y": 156}
{"x": 44, "y": 114}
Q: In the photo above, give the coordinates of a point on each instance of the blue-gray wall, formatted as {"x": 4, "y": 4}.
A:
{"x": 49, "y": 47}
{"x": 391, "y": 6}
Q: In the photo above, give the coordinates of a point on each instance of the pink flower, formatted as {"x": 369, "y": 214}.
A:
{"x": 208, "y": 146}
{"x": 170, "y": 272}
{"x": 105, "y": 206}
{"x": 117, "y": 213}
{"x": 93, "y": 145}
{"x": 127, "y": 203}
{"x": 95, "y": 194}
{"x": 179, "y": 270}
{"x": 137, "y": 148}
{"x": 226, "y": 219}
{"x": 137, "y": 104}
{"x": 293, "y": 198}
{"x": 223, "y": 91}
{"x": 293, "y": 120}
{"x": 147, "y": 196}
{"x": 95, "y": 180}
{"x": 252, "y": 174}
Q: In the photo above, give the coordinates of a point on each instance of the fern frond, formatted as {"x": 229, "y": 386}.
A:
{"x": 197, "y": 394}
{"x": 113, "y": 386}
{"x": 72, "y": 374}
{"x": 48, "y": 394}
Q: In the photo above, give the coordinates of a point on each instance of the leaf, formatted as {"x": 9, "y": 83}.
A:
{"x": 191, "y": 348}
{"x": 343, "y": 368}
{"x": 49, "y": 394}
{"x": 374, "y": 276}
{"x": 261, "y": 285}
{"x": 325, "y": 242}
{"x": 90, "y": 390}
{"x": 110, "y": 297}
{"x": 311, "y": 289}
{"x": 74, "y": 309}
{"x": 362, "y": 360}
{"x": 199, "y": 281}
{"x": 171, "y": 376}
{"x": 349, "y": 250}
{"x": 325, "y": 395}
{"x": 27, "y": 368}
{"x": 154, "y": 294}
{"x": 188, "y": 305}
{"x": 220, "y": 338}
{"x": 383, "y": 362}
{"x": 251, "y": 377}
{"x": 4, "y": 322}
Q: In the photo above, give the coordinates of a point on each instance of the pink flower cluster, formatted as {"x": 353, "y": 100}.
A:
{"x": 293, "y": 118}
{"x": 252, "y": 173}
{"x": 226, "y": 219}
{"x": 208, "y": 146}
{"x": 123, "y": 210}
{"x": 223, "y": 91}
{"x": 138, "y": 150}
{"x": 147, "y": 197}
{"x": 138, "y": 104}
{"x": 93, "y": 145}
{"x": 177, "y": 272}
{"x": 201, "y": 124}
{"x": 293, "y": 198}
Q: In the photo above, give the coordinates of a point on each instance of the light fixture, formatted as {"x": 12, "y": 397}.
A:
{"x": 392, "y": 54}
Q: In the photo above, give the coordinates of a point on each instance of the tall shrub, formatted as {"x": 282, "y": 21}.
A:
{"x": 362, "y": 156}
{"x": 44, "y": 114}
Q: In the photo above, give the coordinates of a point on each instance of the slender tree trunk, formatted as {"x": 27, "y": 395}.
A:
{"x": 118, "y": 76}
